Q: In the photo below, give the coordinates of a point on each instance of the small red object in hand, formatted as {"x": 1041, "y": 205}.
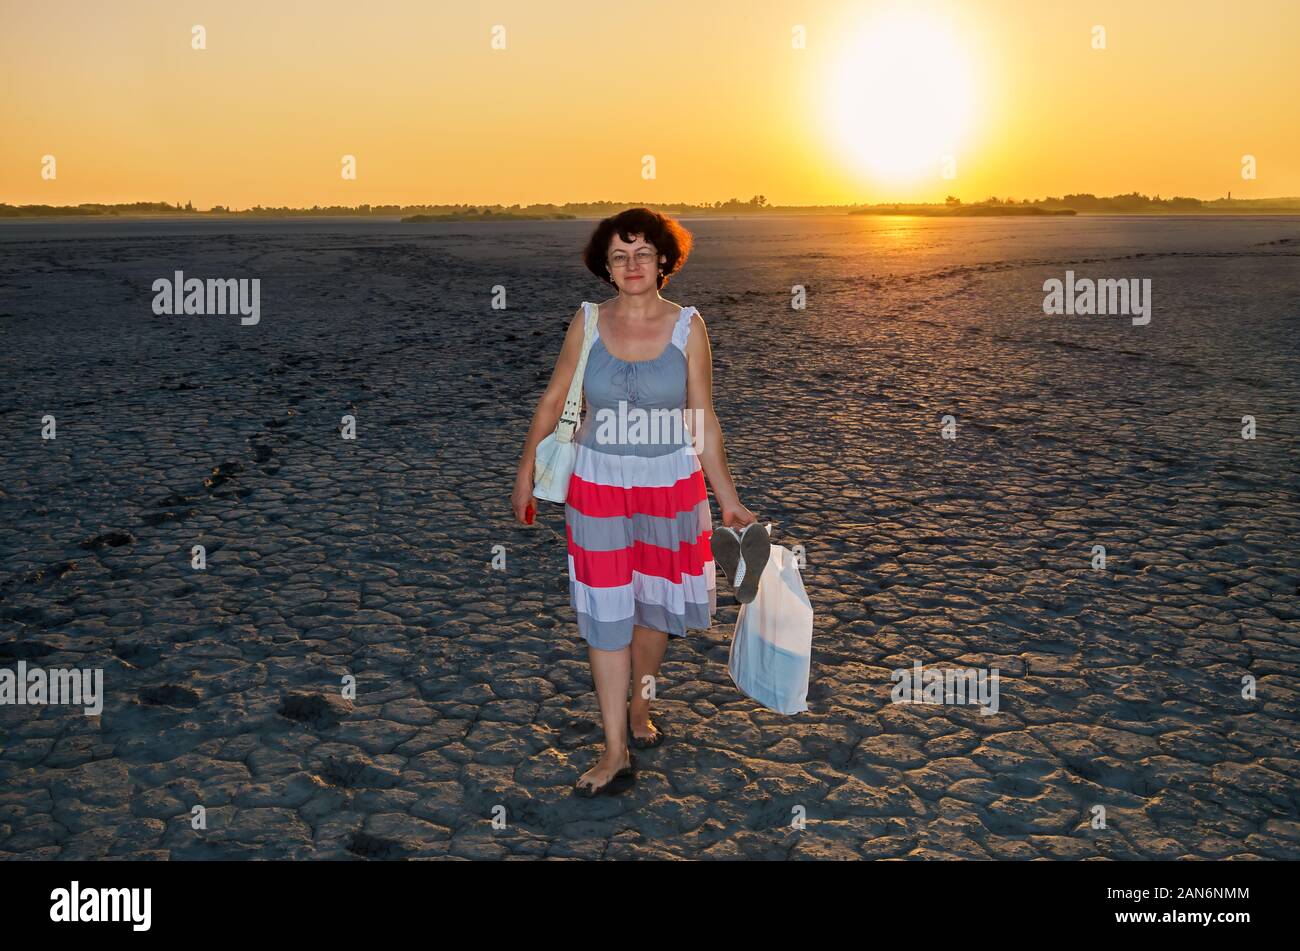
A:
{"x": 530, "y": 513}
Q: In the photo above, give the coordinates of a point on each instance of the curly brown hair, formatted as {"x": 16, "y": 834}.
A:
{"x": 666, "y": 236}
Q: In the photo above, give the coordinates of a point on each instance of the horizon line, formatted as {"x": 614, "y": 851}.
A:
{"x": 756, "y": 203}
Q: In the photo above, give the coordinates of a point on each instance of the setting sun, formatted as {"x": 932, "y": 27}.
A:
{"x": 901, "y": 97}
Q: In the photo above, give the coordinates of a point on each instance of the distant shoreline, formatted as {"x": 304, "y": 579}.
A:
{"x": 757, "y": 207}
{"x": 479, "y": 219}
{"x": 971, "y": 211}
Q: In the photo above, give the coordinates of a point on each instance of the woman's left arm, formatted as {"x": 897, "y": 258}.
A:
{"x": 704, "y": 425}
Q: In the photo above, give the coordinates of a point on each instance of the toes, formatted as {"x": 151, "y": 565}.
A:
{"x": 590, "y": 780}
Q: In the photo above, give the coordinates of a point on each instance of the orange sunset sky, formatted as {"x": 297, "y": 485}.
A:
{"x": 717, "y": 92}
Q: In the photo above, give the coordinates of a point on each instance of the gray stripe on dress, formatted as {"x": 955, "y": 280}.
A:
{"x": 610, "y": 533}
{"x": 613, "y": 635}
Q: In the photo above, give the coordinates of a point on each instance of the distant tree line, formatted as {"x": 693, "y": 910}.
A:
{"x": 1083, "y": 203}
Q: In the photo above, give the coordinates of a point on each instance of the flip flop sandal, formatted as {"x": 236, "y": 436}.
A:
{"x": 613, "y": 785}
{"x": 725, "y": 545}
{"x": 644, "y": 742}
{"x": 755, "y": 549}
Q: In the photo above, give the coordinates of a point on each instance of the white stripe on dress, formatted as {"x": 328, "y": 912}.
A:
{"x": 629, "y": 472}
{"x": 613, "y": 604}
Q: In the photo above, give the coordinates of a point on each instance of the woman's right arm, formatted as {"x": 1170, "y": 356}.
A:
{"x": 547, "y": 414}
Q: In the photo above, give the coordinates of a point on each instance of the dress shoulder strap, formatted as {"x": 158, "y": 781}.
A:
{"x": 682, "y": 330}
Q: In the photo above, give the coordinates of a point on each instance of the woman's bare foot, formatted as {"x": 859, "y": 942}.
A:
{"x": 604, "y": 770}
{"x": 638, "y": 715}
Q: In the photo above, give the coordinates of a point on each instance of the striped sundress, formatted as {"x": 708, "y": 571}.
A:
{"x": 637, "y": 511}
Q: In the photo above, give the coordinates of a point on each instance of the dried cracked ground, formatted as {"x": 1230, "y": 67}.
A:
{"x": 1120, "y": 688}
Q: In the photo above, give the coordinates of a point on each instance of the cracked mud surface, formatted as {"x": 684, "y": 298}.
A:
{"x": 325, "y": 557}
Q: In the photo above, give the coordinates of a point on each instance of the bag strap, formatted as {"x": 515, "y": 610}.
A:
{"x": 572, "y": 413}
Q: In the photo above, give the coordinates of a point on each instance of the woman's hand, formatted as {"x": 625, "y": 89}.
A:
{"x": 735, "y": 515}
{"x": 521, "y": 499}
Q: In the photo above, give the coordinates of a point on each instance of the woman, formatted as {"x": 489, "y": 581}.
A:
{"x": 637, "y": 511}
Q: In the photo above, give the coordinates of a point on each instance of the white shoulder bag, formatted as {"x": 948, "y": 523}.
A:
{"x": 556, "y": 454}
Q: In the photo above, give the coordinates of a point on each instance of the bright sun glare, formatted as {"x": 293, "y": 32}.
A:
{"x": 901, "y": 97}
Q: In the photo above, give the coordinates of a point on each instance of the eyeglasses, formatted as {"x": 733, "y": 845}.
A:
{"x": 643, "y": 256}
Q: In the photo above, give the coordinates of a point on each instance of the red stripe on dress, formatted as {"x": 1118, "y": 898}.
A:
{"x": 665, "y": 501}
{"x": 610, "y": 569}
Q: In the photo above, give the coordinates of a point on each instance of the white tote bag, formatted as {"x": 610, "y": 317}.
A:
{"x": 771, "y": 651}
{"x": 556, "y": 454}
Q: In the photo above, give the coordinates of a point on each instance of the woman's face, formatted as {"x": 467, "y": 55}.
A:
{"x": 633, "y": 265}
